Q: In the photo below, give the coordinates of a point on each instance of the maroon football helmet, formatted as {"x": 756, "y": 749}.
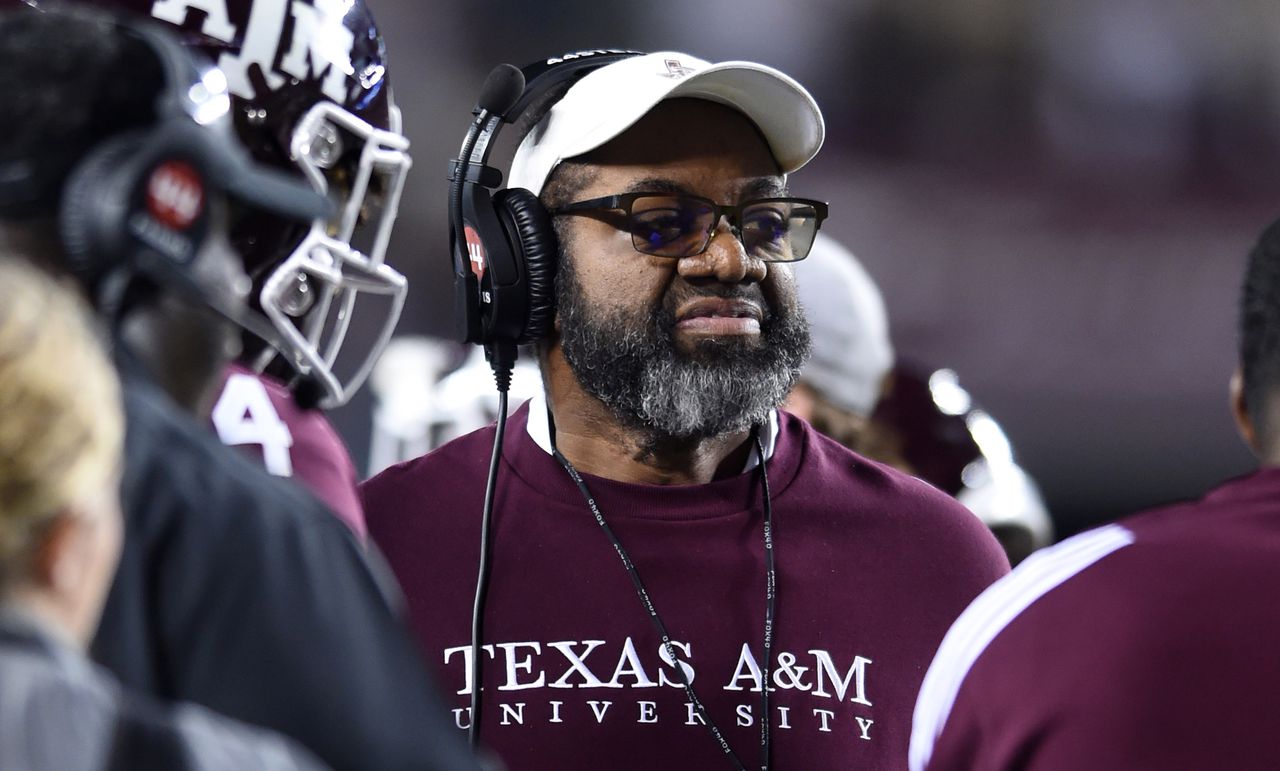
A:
{"x": 310, "y": 93}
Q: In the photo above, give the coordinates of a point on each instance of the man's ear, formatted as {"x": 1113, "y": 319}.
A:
{"x": 58, "y": 560}
{"x": 1240, "y": 412}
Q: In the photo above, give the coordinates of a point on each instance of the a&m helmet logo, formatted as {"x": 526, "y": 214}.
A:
{"x": 281, "y": 39}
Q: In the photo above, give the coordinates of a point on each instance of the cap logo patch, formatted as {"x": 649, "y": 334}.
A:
{"x": 175, "y": 194}
{"x": 675, "y": 69}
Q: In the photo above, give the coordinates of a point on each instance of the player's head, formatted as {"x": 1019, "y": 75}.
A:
{"x": 1258, "y": 380}
{"x": 683, "y": 322}
{"x": 852, "y": 354}
{"x": 61, "y": 435}
{"x": 311, "y": 94}
{"x": 120, "y": 167}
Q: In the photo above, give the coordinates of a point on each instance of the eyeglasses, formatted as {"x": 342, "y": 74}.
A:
{"x": 665, "y": 225}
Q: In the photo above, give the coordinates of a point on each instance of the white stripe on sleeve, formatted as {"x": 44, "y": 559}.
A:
{"x": 987, "y": 616}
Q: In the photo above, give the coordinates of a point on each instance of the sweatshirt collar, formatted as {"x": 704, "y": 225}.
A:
{"x": 540, "y": 431}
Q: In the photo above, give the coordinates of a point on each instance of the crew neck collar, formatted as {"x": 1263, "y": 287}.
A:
{"x": 530, "y": 461}
{"x": 539, "y": 430}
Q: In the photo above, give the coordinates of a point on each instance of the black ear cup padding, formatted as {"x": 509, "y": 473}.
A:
{"x": 95, "y": 200}
{"x": 537, "y": 244}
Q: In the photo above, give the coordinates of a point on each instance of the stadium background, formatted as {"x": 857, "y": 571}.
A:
{"x": 1056, "y": 197}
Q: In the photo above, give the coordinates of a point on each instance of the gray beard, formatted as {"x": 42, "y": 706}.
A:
{"x": 631, "y": 363}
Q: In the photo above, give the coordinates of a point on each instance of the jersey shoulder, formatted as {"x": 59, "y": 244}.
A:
{"x": 993, "y": 612}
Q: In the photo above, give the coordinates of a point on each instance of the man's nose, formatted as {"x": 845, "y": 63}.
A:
{"x": 725, "y": 259}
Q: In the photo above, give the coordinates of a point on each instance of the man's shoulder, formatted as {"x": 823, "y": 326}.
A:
{"x": 466, "y": 454}
{"x": 1002, "y": 611}
{"x": 852, "y": 479}
{"x": 171, "y": 458}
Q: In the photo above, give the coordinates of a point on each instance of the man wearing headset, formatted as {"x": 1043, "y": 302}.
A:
{"x": 235, "y": 591}
{"x": 663, "y": 540}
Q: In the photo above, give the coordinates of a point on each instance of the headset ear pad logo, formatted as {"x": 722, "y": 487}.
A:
{"x": 475, "y": 251}
{"x": 170, "y": 210}
{"x": 175, "y": 195}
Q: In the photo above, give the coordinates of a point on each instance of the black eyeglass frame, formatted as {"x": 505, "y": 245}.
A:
{"x": 732, "y": 212}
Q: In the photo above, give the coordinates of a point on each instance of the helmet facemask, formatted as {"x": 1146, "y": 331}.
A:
{"x": 310, "y": 296}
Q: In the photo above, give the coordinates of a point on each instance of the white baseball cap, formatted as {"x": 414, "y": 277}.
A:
{"x": 608, "y": 101}
{"x": 850, "y": 327}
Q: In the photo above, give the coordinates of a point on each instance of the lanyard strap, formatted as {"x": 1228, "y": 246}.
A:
{"x": 647, "y": 602}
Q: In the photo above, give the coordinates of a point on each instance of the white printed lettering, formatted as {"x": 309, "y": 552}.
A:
{"x": 261, "y": 40}
{"x": 782, "y": 719}
{"x": 752, "y": 671}
{"x": 576, "y": 664}
{"x": 514, "y": 666}
{"x": 319, "y": 38}
{"x": 857, "y": 673}
{"x": 244, "y": 415}
{"x": 648, "y": 712}
{"x": 509, "y": 713}
{"x": 599, "y": 708}
{"x": 744, "y": 715}
{"x": 466, "y": 663}
{"x": 864, "y": 725}
{"x": 629, "y": 665}
{"x": 826, "y": 716}
{"x": 694, "y": 717}
{"x": 671, "y": 662}
{"x": 216, "y": 21}
{"x": 555, "y": 711}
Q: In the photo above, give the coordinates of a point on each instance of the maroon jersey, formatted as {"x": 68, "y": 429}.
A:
{"x": 257, "y": 413}
{"x": 872, "y": 567}
{"x": 1151, "y": 643}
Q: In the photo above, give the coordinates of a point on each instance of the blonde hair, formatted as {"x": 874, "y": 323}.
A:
{"x": 61, "y": 424}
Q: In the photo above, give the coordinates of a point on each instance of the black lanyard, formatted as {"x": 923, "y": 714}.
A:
{"x": 770, "y": 599}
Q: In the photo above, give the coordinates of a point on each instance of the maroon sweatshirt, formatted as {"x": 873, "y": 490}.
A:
{"x": 1152, "y": 643}
{"x": 872, "y": 565}
{"x": 258, "y": 414}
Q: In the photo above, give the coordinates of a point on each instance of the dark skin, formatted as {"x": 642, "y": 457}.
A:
{"x": 1267, "y": 452}
{"x": 696, "y": 147}
{"x": 182, "y": 344}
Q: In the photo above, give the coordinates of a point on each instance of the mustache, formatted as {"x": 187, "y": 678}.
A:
{"x": 681, "y": 293}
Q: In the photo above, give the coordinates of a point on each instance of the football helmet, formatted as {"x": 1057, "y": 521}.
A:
{"x": 929, "y": 425}
{"x": 310, "y": 93}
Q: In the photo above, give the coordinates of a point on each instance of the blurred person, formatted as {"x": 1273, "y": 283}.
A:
{"x": 625, "y": 616}
{"x": 1145, "y": 643}
{"x": 61, "y": 441}
{"x": 422, "y": 402}
{"x": 310, "y": 89}
{"x": 235, "y": 590}
{"x": 902, "y": 413}
{"x": 928, "y": 425}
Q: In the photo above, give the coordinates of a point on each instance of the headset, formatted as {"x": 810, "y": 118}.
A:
{"x": 502, "y": 241}
{"x": 133, "y": 209}
{"x": 504, "y": 254}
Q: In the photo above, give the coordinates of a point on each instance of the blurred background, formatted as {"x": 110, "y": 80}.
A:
{"x": 1055, "y": 197}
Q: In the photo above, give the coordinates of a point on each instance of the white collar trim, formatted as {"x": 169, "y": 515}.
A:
{"x": 540, "y": 431}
